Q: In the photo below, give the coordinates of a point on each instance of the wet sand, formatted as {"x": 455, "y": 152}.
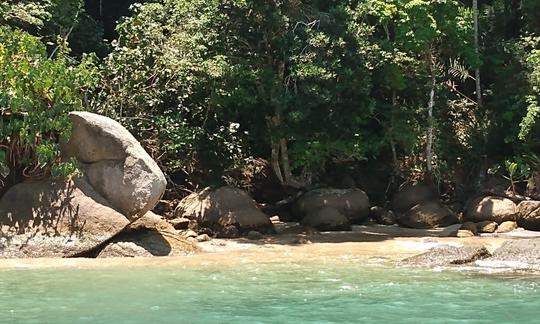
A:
{"x": 381, "y": 244}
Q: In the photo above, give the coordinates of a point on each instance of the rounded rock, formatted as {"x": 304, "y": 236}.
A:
{"x": 491, "y": 208}
{"x": 327, "y": 219}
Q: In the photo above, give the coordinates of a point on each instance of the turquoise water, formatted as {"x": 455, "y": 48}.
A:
{"x": 265, "y": 293}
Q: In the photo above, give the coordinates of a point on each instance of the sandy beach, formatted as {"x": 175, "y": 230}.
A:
{"x": 381, "y": 244}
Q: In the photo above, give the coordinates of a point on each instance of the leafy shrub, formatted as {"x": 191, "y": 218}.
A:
{"x": 207, "y": 83}
{"x": 533, "y": 98}
{"x": 36, "y": 93}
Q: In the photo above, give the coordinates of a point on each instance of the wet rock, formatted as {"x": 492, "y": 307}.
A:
{"x": 326, "y": 219}
{"x": 523, "y": 251}
{"x": 506, "y": 227}
{"x": 529, "y": 215}
{"x": 486, "y": 227}
{"x": 383, "y": 216}
{"x": 254, "y": 235}
{"x": 51, "y": 218}
{"x": 351, "y": 203}
{"x": 428, "y": 215}
{"x": 412, "y": 194}
{"x": 463, "y": 233}
{"x": 491, "y": 208}
{"x": 448, "y": 255}
{"x": 227, "y": 206}
{"x": 115, "y": 164}
{"x": 470, "y": 226}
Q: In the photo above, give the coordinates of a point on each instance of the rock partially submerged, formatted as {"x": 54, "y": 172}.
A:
{"x": 519, "y": 254}
{"x": 447, "y": 255}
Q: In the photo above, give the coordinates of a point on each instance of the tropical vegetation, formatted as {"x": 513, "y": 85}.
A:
{"x": 443, "y": 90}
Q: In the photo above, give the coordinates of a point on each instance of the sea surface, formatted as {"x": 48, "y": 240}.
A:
{"x": 271, "y": 292}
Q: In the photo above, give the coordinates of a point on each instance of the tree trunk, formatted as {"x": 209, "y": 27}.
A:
{"x": 479, "y": 103}
{"x": 477, "y": 52}
{"x": 285, "y": 164}
{"x": 395, "y": 162}
{"x": 274, "y": 161}
{"x": 431, "y": 104}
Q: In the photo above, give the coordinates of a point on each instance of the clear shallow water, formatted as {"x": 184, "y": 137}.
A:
{"x": 266, "y": 293}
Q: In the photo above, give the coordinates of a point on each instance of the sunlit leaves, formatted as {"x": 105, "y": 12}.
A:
{"x": 533, "y": 99}
{"x": 36, "y": 93}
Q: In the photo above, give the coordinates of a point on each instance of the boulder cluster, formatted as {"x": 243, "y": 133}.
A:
{"x": 118, "y": 183}
{"x": 105, "y": 210}
{"x": 496, "y": 214}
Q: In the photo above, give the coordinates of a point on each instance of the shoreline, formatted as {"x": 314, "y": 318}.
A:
{"x": 377, "y": 244}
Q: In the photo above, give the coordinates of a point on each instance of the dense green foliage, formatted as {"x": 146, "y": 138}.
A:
{"x": 308, "y": 85}
{"x": 219, "y": 83}
{"x": 36, "y": 93}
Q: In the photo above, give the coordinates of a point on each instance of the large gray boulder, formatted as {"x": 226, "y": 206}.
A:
{"x": 326, "y": 219}
{"x": 529, "y": 215}
{"x": 227, "y": 210}
{"x": 115, "y": 164}
{"x": 352, "y": 203}
{"x": 428, "y": 215}
{"x": 411, "y": 194}
{"x": 491, "y": 208}
{"x": 525, "y": 252}
{"x": 50, "y": 218}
